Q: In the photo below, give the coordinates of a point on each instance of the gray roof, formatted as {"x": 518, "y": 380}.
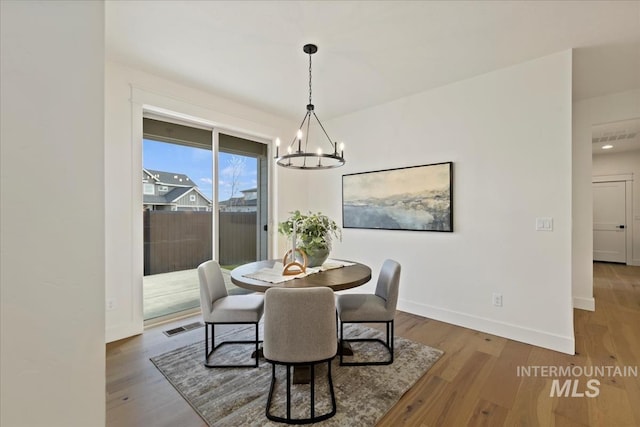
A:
{"x": 176, "y": 193}
{"x": 180, "y": 182}
{"x": 171, "y": 196}
{"x": 171, "y": 178}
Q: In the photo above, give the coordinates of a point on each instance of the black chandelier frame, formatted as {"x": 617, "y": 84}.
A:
{"x": 306, "y": 159}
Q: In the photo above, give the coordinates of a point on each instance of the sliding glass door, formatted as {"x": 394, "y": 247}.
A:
{"x": 180, "y": 214}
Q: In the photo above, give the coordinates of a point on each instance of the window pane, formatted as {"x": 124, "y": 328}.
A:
{"x": 177, "y": 225}
{"x": 238, "y": 216}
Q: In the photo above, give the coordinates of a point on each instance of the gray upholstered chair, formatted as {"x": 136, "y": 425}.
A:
{"x": 218, "y": 307}
{"x": 300, "y": 330}
{"x": 377, "y": 308}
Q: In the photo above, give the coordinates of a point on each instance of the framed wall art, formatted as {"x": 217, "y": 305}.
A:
{"x": 417, "y": 198}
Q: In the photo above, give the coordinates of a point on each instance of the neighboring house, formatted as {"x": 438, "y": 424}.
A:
{"x": 168, "y": 191}
{"x": 245, "y": 203}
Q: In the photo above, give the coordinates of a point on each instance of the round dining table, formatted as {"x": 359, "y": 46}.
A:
{"x": 337, "y": 279}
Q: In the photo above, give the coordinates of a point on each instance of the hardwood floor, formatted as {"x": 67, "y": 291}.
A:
{"x": 475, "y": 383}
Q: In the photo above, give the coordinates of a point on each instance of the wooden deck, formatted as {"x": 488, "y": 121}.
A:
{"x": 168, "y": 293}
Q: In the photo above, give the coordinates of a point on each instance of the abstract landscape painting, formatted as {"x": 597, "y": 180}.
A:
{"x": 413, "y": 198}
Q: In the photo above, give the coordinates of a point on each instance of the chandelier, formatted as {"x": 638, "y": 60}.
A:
{"x": 297, "y": 154}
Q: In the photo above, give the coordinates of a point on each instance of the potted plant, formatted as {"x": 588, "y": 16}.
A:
{"x": 313, "y": 232}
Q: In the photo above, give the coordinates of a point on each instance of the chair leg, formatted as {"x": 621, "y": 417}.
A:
{"x": 208, "y": 353}
{"x": 213, "y": 337}
{"x": 273, "y": 384}
{"x": 257, "y": 353}
{"x": 341, "y": 341}
{"x": 288, "y": 392}
{"x": 214, "y": 347}
{"x": 312, "y": 387}
{"x": 391, "y": 329}
{"x": 206, "y": 342}
{"x": 331, "y": 392}
{"x": 313, "y": 418}
{"x": 388, "y": 344}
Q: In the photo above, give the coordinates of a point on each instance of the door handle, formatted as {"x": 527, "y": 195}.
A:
{"x": 621, "y": 226}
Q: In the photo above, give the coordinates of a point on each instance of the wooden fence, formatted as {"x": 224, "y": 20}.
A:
{"x": 181, "y": 240}
{"x": 237, "y": 237}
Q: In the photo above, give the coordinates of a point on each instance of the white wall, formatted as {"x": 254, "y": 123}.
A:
{"x": 52, "y": 294}
{"x": 509, "y": 135}
{"x": 624, "y": 163}
{"x": 586, "y": 113}
{"x": 128, "y": 93}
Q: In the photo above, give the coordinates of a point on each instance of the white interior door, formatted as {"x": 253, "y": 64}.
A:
{"x": 609, "y": 221}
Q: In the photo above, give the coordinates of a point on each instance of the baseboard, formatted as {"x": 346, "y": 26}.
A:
{"x": 635, "y": 262}
{"x": 582, "y": 303}
{"x": 171, "y": 317}
{"x": 564, "y": 344}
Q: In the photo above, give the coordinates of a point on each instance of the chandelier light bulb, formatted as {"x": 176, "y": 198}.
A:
{"x": 299, "y": 135}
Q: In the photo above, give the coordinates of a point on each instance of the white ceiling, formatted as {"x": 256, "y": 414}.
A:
{"x": 622, "y": 136}
{"x": 370, "y": 52}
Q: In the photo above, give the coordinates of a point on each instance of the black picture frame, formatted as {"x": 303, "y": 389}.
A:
{"x": 413, "y": 198}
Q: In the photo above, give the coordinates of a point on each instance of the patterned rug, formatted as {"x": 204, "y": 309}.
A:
{"x": 237, "y": 397}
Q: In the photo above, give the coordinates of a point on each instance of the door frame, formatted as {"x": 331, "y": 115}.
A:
{"x": 130, "y": 99}
{"x": 141, "y": 110}
{"x": 628, "y": 180}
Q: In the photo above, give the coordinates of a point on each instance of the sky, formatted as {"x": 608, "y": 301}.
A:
{"x": 196, "y": 163}
{"x": 411, "y": 180}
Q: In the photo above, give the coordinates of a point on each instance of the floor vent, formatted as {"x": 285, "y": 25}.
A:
{"x": 185, "y": 328}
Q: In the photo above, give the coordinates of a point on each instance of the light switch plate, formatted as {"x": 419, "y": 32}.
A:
{"x": 544, "y": 224}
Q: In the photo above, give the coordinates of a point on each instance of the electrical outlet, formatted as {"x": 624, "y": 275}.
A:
{"x": 497, "y": 299}
{"x": 111, "y": 304}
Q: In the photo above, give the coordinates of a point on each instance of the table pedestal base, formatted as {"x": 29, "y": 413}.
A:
{"x": 301, "y": 374}
{"x": 344, "y": 349}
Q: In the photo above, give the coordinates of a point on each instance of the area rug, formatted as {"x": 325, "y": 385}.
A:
{"x": 237, "y": 397}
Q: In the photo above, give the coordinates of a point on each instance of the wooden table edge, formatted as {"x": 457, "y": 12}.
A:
{"x": 261, "y": 286}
